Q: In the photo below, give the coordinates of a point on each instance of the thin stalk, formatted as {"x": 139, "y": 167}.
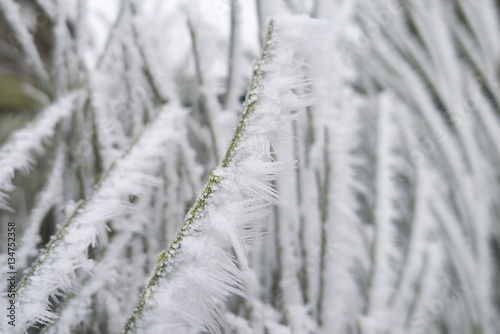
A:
{"x": 359, "y": 327}
{"x": 260, "y": 19}
{"x": 408, "y": 245}
{"x": 89, "y": 113}
{"x": 203, "y": 100}
{"x": 374, "y": 243}
{"x": 229, "y": 95}
{"x": 162, "y": 263}
{"x": 82, "y": 167}
{"x": 418, "y": 288}
{"x": 159, "y": 99}
{"x": 473, "y": 305}
{"x": 47, "y": 199}
{"x": 315, "y": 9}
{"x": 111, "y": 35}
{"x": 324, "y": 203}
{"x": 324, "y": 191}
{"x": 276, "y": 290}
{"x": 310, "y": 136}
{"x": 302, "y": 273}
{"x": 21, "y": 37}
{"x": 127, "y": 120}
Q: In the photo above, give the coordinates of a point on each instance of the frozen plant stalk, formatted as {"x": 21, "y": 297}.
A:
{"x": 198, "y": 269}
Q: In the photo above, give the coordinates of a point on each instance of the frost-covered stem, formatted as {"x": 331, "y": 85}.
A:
{"x": 79, "y": 305}
{"x": 310, "y": 138}
{"x": 278, "y": 273}
{"x": 303, "y": 273}
{"x": 251, "y": 99}
{"x": 260, "y": 19}
{"x": 276, "y": 290}
{"x": 128, "y": 127}
{"x": 371, "y": 273}
{"x": 164, "y": 205}
{"x": 200, "y": 204}
{"x": 165, "y": 255}
{"x": 94, "y": 137}
{"x": 359, "y": 327}
{"x": 78, "y": 119}
{"x": 59, "y": 236}
{"x": 17, "y": 153}
{"x": 159, "y": 99}
{"x": 324, "y": 202}
{"x": 408, "y": 245}
{"x": 375, "y": 244}
{"x": 418, "y": 287}
{"x": 112, "y": 34}
{"x": 476, "y": 26}
{"x": 203, "y": 100}
{"x": 463, "y": 260}
{"x": 194, "y": 45}
{"x": 187, "y": 161}
{"x": 234, "y": 41}
{"x": 48, "y": 197}
{"x": 21, "y": 36}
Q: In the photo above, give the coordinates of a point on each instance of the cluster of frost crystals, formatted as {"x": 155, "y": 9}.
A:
{"x": 17, "y": 153}
{"x": 199, "y": 268}
{"x": 135, "y": 174}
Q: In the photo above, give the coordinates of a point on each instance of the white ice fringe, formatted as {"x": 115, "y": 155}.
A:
{"x": 199, "y": 269}
{"x": 17, "y": 153}
{"x": 55, "y": 270}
